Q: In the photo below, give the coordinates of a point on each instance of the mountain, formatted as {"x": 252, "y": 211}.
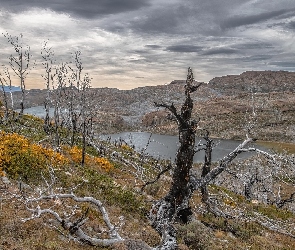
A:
{"x": 224, "y": 105}
{"x": 256, "y": 81}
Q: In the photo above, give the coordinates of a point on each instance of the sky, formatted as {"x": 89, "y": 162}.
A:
{"x": 132, "y": 43}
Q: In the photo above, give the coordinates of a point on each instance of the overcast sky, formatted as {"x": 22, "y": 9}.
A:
{"x": 131, "y": 43}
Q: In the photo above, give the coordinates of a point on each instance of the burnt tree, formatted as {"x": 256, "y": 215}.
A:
{"x": 175, "y": 205}
{"x": 185, "y": 154}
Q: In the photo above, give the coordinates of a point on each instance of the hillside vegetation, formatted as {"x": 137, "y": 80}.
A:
{"x": 128, "y": 183}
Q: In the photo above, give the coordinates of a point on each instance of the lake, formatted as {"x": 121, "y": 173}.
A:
{"x": 165, "y": 146}
{"x": 162, "y": 146}
{"x": 38, "y": 111}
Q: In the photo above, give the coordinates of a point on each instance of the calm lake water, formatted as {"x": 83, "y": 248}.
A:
{"x": 38, "y": 111}
{"x": 165, "y": 146}
{"x": 162, "y": 146}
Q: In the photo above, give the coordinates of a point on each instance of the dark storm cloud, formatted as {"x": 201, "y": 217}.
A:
{"x": 118, "y": 37}
{"x": 283, "y": 64}
{"x": 82, "y": 8}
{"x": 184, "y": 48}
{"x": 164, "y": 22}
{"x": 153, "y": 46}
{"x": 256, "y": 58}
{"x": 237, "y": 21}
{"x": 252, "y": 46}
{"x": 219, "y": 51}
{"x": 291, "y": 25}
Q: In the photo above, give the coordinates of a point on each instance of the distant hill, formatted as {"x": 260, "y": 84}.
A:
{"x": 178, "y": 82}
{"x": 10, "y": 89}
{"x": 226, "y": 99}
{"x": 258, "y": 81}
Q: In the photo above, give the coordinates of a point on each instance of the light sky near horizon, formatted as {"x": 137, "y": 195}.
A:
{"x": 132, "y": 43}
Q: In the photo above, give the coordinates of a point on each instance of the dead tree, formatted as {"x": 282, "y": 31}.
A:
{"x": 48, "y": 57}
{"x": 61, "y": 75}
{"x": 20, "y": 63}
{"x": 86, "y": 115}
{"x": 5, "y": 81}
{"x": 269, "y": 182}
{"x": 184, "y": 159}
{"x": 79, "y": 103}
{"x": 73, "y": 225}
{"x": 73, "y": 95}
{"x": 175, "y": 205}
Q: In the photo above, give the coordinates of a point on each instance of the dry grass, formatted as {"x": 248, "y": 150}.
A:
{"x": 207, "y": 233}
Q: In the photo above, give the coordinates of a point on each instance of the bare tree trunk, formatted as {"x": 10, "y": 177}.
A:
{"x": 207, "y": 165}
{"x": 86, "y": 114}
{"x": 5, "y": 99}
{"x": 58, "y": 117}
{"x": 47, "y": 55}
{"x": 175, "y": 205}
{"x": 20, "y": 64}
{"x": 6, "y": 81}
{"x": 176, "y": 202}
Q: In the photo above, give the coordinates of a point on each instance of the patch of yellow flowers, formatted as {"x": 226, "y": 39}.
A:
{"x": 103, "y": 163}
{"x": 20, "y": 156}
{"x": 76, "y": 157}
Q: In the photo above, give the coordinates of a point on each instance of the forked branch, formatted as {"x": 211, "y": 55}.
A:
{"x": 75, "y": 228}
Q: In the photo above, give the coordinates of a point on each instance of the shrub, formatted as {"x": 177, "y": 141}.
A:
{"x": 75, "y": 154}
{"x": 20, "y": 157}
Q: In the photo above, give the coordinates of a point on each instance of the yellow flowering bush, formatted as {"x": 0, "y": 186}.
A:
{"x": 19, "y": 156}
{"x": 2, "y": 173}
{"x": 76, "y": 157}
{"x": 103, "y": 163}
{"x": 126, "y": 147}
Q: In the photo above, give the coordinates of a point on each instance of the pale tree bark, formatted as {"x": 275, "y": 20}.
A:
{"x": 20, "y": 64}
{"x": 5, "y": 81}
{"x": 81, "y": 108}
{"x": 74, "y": 228}
{"x": 61, "y": 75}
{"x": 73, "y": 96}
{"x": 48, "y": 56}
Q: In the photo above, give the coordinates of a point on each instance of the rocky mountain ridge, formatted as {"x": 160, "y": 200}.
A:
{"x": 224, "y": 105}
{"x": 256, "y": 81}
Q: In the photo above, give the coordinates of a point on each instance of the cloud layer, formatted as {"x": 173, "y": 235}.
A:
{"x": 132, "y": 43}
